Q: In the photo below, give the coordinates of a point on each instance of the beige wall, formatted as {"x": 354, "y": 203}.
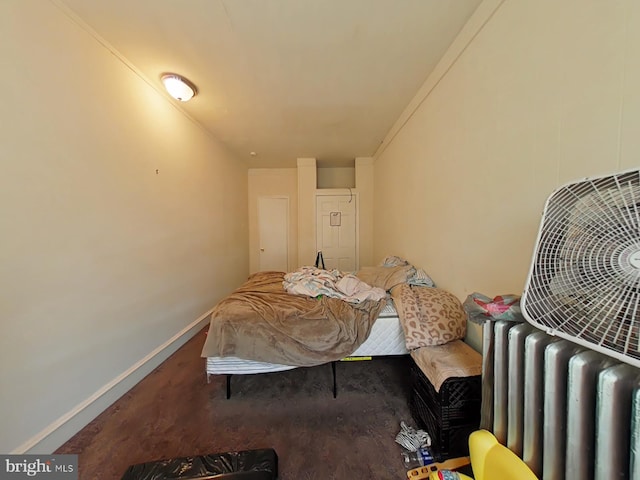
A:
{"x": 102, "y": 259}
{"x": 530, "y": 97}
{"x": 306, "y": 211}
{"x": 364, "y": 187}
{"x": 336, "y": 177}
{"x": 272, "y": 182}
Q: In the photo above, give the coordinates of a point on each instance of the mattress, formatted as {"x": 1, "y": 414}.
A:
{"x": 386, "y": 338}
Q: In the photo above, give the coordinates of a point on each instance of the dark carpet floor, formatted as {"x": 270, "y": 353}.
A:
{"x": 174, "y": 412}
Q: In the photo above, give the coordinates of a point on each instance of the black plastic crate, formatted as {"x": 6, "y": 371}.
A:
{"x": 449, "y": 415}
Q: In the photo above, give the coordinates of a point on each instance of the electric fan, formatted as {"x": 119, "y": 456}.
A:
{"x": 584, "y": 281}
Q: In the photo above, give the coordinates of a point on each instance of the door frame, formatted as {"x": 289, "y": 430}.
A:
{"x": 333, "y": 192}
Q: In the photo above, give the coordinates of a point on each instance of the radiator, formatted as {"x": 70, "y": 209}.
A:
{"x": 570, "y": 413}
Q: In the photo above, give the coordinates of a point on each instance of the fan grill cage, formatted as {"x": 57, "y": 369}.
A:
{"x": 584, "y": 282}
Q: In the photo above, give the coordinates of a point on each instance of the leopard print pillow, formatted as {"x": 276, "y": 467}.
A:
{"x": 429, "y": 316}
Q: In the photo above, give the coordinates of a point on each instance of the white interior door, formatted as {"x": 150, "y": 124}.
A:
{"x": 273, "y": 232}
{"x": 336, "y": 231}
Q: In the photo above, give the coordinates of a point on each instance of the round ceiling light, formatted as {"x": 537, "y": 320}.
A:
{"x": 178, "y": 87}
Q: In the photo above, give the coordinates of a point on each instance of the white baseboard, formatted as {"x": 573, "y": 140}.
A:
{"x": 65, "y": 427}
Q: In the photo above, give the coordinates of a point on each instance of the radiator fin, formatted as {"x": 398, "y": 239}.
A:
{"x": 486, "y": 412}
{"x": 584, "y": 369}
{"x": 501, "y": 381}
{"x": 532, "y": 452}
{"x": 613, "y": 421}
{"x": 635, "y": 436}
{"x": 556, "y": 367}
{"x": 515, "y": 418}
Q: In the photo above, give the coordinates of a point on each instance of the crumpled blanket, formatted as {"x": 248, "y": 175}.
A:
{"x": 314, "y": 282}
{"x": 261, "y": 321}
{"x": 416, "y": 276}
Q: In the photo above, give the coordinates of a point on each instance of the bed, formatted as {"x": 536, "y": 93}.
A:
{"x": 385, "y": 339}
{"x": 273, "y": 323}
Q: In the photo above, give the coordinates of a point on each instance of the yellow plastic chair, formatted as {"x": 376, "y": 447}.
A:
{"x": 490, "y": 460}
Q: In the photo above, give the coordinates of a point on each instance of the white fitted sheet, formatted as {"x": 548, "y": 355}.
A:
{"x": 386, "y": 338}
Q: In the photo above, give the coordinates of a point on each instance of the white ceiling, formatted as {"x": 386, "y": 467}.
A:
{"x": 286, "y": 78}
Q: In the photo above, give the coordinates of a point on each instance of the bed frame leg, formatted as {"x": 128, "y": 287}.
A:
{"x": 228, "y": 386}
{"x": 335, "y": 387}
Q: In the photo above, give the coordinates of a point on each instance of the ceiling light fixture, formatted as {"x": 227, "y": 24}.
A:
{"x": 179, "y": 87}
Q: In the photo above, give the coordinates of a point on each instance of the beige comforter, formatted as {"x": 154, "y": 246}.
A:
{"x": 261, "y": 321}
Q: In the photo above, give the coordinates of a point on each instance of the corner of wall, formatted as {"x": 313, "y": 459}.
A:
{"x": 306, "y": 210}
{"x": 364, "y": 187}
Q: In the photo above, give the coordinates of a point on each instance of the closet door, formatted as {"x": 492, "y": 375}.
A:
{"x": 336, "y": 229}
{"x": 273, "y": 233}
